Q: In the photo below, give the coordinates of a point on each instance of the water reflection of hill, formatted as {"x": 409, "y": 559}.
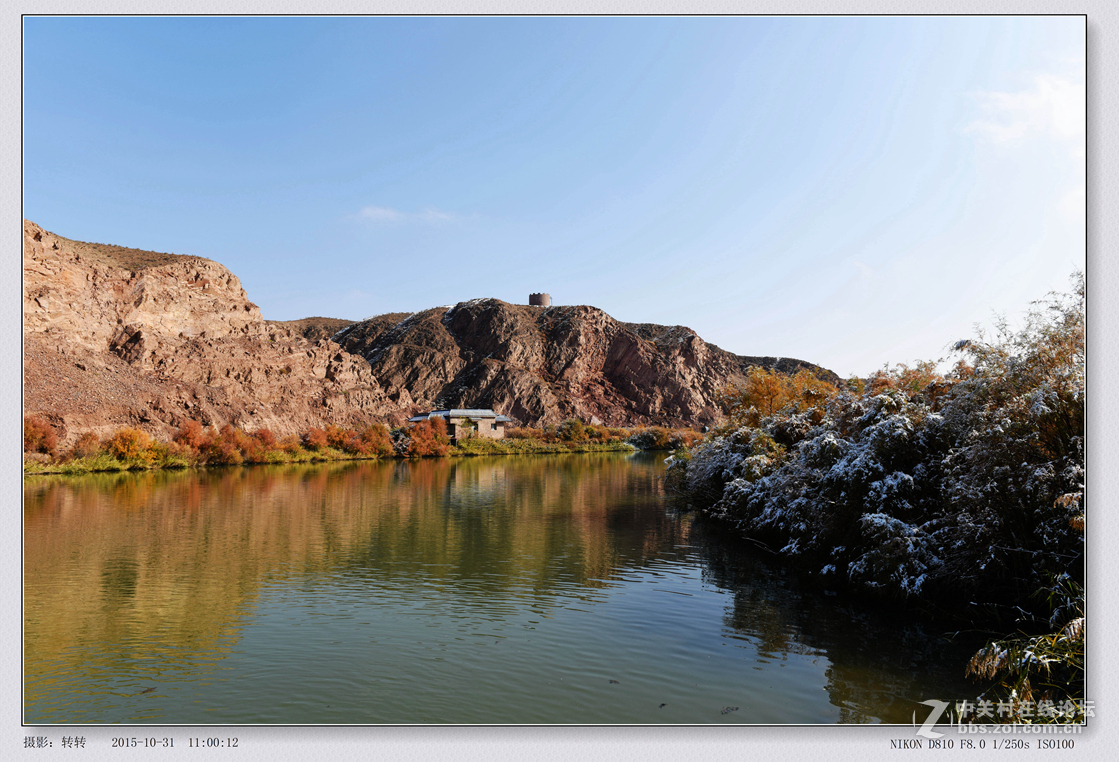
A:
{"x": 147, "y": 573}
{"x": 881, "y": 662}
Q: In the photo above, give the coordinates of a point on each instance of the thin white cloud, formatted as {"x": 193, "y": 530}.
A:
{"x": 386, "y": 214}
{"x": 380, "y": 213}
{"x": 1051, "y": 116}
{"x": 1053, "y": 107}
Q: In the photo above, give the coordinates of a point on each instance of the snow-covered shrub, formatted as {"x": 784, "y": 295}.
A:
{"x": 1014, "y": 475}
{"x": 710, "y": 468}
{"x": 966, "y": 485}
{"x": 897, "y": 556}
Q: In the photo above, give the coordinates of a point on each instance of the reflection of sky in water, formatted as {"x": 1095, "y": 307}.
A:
{"x": 485, "y": 590}
{"x": 513, "y": 658}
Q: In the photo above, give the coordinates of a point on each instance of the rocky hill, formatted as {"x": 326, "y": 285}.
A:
{"x": 545, "y": 364}
{"x": 116, "y": 337}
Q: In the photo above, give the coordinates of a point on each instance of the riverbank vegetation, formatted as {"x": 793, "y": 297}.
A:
{"x": 961, "y": 490}
{"x": 194, "y": 445}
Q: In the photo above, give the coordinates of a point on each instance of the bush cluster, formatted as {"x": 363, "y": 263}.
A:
{"x": 765, "y": 392}
{"x": 574, "y": 431}
{"x": 533, "y": 446}
{"x": 232, "y": 446}
{"x": 38, "y": 436}
{"x": 570, "y": 430}
{"x": 371, "y": 441}
{"x": 660, "y": 438}
{"x": 962, "y": 486}
{"x": 128, "y": 444}
{"x": 87, "y": 446}
{"x": 194, "y": 445}
{"x": 427, "y": 438}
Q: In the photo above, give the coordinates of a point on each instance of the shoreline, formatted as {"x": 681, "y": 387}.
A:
{"x": 109, "y": 464}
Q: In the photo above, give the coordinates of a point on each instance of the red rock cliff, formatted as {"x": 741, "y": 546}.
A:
{"x": 120, "y": 337}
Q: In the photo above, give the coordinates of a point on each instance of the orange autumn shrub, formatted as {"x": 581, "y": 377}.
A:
{"x": 428, "y": 438}
{"x": 87, "y": 446}
{"x": 338, "y": 437}
{"x": 525, "y": 432}
{"x": 315, "y": 439}
{"x": 193, "y": 436}
{"x": 373, "y": 440}
{"x": 266, "y": 439}
{"x": 290, "y": 444}
{"x": 128, "y": 444}
{"x": 38, "y": 436}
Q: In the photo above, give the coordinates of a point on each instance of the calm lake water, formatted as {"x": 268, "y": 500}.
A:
{"x": 552, "y": 589}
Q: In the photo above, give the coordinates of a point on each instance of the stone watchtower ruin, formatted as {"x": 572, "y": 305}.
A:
{"x": 540, "y": 300}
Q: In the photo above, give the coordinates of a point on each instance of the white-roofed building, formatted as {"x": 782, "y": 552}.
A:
{"x": 464, "y": 424}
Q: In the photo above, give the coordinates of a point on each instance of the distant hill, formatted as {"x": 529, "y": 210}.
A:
{"x": 545, "y": 364}
{"x": 123, "y": 337}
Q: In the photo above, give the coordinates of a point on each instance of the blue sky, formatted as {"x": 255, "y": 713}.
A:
{"x": 848, "y": 191}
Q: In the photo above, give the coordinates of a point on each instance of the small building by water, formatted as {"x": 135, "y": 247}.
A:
{"x": 464, "y": 424}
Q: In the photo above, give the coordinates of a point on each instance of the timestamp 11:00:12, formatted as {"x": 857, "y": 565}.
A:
{"x": 212, "y": 743}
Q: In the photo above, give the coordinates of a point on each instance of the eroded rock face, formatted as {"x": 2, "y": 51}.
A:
{"x": 116, "y": 337}
{"x": 95, "y": 298}
{"x": 547, "y": 364}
